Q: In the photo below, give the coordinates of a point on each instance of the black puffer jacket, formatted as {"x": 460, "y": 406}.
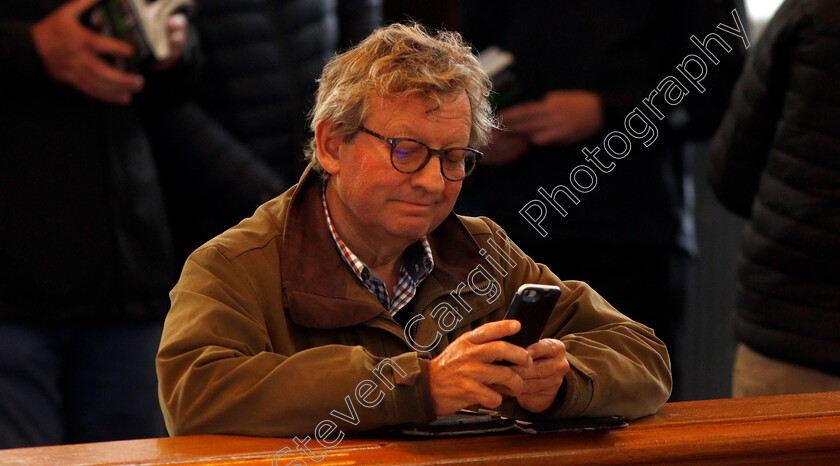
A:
{"x": 240, "y": 142}
{"x": 83, "y": 233}
{"x": 776, "y": 160}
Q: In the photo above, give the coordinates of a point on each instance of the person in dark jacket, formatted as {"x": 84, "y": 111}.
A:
{"x": 624, "y": 222}
{"x": 238, "y": 142}
{"x": 775, "y": 161}
{"x": 84, "y": 243}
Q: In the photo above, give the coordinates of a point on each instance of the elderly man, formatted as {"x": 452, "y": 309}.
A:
{"x": 357, "y": 299}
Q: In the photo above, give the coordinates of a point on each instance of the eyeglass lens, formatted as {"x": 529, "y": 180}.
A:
{"x": 408, "y": 156}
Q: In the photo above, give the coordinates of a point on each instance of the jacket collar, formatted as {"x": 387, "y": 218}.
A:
{"x": 321, "y": 291}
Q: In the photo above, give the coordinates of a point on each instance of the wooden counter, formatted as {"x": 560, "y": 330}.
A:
{"x": 780, "y": 429}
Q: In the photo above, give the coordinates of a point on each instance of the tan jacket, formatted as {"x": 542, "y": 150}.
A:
{"x": 270, "y": 333}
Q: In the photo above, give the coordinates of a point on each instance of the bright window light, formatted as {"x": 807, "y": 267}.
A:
{"x": 762, "y": 10}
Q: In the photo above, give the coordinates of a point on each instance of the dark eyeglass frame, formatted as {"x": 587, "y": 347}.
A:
{"x": 429, "y": 152}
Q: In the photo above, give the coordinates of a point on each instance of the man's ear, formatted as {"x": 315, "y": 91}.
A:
{"x": 328, "y": 144}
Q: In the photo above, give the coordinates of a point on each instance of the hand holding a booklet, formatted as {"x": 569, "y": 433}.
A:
{"x": 81, "y": 58}
{"x": 562, "y": 117}
{"x": 505, "y": 147}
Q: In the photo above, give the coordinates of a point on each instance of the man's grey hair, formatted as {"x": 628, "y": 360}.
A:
{"x": 399, "y": 61}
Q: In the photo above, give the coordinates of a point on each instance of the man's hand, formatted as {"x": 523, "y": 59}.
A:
{"x": 505, "y": 147}
{"x": 561, "y": 117}
{"x": 463, "y": 374}
{"x": 176, "y": 28}
{"x": 72, "y": 54}
{"x": 543, "y": 378}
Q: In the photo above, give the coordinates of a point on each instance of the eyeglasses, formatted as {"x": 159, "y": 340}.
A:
{"x": 410, "y": 156}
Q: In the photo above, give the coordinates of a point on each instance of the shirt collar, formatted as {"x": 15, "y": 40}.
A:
{"x": 418, "y": 263}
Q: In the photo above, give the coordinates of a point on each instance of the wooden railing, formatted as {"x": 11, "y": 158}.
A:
{"x": 789, "y": 429}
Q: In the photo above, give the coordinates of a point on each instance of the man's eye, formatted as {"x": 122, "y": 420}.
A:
{"x": 408, "y": 150}
{"x": 455, "y": 157}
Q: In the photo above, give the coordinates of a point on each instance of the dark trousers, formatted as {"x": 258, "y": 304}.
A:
{"x": 647, "y": 284}
{"x": 78, "y": 383}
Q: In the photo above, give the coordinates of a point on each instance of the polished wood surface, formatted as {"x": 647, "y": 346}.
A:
{"x": 776, "y": 430}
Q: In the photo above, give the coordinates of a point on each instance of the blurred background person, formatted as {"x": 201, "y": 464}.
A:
{"x": 84, "y": 243}
{"x": 238, "y": 143}
{"x": 775, "y": 161}
{"x": 581, "y": 68}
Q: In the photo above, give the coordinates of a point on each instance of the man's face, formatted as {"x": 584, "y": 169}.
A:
{"x": 380, "y": 204}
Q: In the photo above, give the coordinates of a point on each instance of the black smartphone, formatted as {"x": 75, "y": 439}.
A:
{"x": 531, "y": 306}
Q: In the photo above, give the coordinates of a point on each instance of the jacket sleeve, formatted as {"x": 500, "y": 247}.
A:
{"x": 220, "y": 372}
{"x": 739, "y": 149}
{"x": 191, "y": 145}
{"x": 618, "y": 367}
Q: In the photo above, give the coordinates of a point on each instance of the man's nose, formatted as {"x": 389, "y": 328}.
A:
{"x": 430, "y": 177}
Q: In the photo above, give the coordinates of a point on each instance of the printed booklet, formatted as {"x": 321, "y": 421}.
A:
{"x": 138, "y": 22}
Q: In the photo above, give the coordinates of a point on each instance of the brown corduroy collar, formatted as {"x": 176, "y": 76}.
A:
{"x": 315, "y": 279}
